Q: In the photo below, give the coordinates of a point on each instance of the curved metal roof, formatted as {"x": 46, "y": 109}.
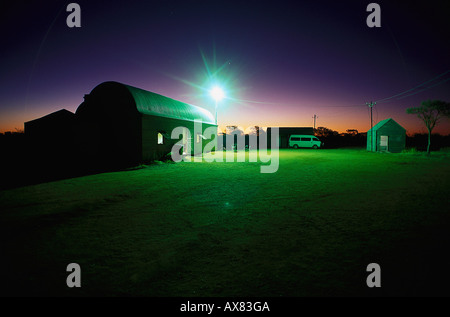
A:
{"x": 154, "y": 104}
{"x": 113, "y": 97}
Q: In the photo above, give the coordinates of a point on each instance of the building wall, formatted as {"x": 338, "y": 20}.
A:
{"x": 396, "y": 136}
{"x": 369, "y": 141}
{"x": 152, "y": 125}
{"x": 50, "y": 140}
{"x": 109, "y": 138}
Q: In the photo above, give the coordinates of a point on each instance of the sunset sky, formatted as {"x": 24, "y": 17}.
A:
{"x": 280, "y": 62}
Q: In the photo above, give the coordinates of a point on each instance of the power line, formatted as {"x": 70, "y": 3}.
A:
{"x": 345, "y": 106}
{"x": 439, "y": 83}
{"x": 422, "y": 84}
{"x": 409, "y": 92}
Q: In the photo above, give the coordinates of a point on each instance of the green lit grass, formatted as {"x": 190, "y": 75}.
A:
{"x": 225, "y": 229}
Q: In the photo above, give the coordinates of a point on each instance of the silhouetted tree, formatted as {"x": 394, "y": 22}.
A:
{"x": 352, "y": 131}
{"x": 430, "y": 112}
{"x": 231, "y": 128}
{"x": 323, "y": 132}
{"x": 254, "y": 130}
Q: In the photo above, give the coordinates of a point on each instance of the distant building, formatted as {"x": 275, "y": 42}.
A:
{"x": 388, "y": 136}
{"x": 53, "y": 125}
{"x": 286, "y": 132}
{"x": 51, "y": 136}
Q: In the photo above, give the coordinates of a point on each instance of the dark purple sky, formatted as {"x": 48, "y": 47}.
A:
{"x": 280, "y": 62}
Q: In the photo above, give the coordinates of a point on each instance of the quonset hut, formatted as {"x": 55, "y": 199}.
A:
{"x": 127, "y": 125}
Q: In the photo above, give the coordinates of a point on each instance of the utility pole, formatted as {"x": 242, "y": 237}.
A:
{"x": 315, "y": 121}
{"x": 371, "y": 104}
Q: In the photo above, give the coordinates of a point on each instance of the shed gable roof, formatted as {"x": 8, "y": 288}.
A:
{"x": 62, "y": 114}
{"x": 383, "y": 122}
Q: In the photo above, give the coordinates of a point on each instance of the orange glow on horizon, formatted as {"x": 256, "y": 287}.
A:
{"x": 341, "y": 126}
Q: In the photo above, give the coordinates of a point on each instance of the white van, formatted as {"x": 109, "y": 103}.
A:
{"x": 309, "y": 141}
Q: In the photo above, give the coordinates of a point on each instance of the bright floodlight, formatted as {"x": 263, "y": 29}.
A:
{"x": 217, "y": 93}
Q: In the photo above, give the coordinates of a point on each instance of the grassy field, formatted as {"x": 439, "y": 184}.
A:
{"x": 225, "y": 229}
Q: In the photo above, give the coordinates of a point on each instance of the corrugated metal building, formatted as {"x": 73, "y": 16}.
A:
{"x": 130, "y": 125}
{"x": 388, "y": 136}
